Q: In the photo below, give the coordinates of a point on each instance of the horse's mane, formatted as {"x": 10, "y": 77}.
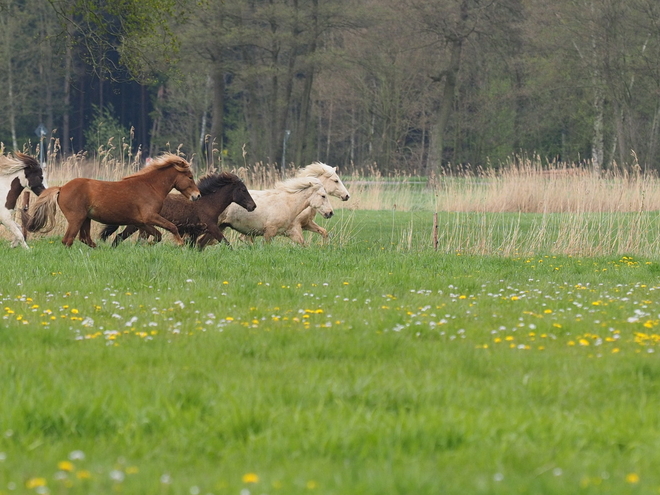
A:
{"x": 298, "y": 184}
{"x": 10, "y": 165}
{"x": 163, "y": 161}
{"x": 210, "y": 183}
{"x": 316, "y": 169}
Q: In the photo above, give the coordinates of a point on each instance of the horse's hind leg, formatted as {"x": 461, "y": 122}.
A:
{"x": 125, "y": 234}
{"x": 73, "y": 227}
{"x": 86, "y": 233}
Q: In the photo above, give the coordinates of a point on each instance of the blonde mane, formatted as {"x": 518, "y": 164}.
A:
{"x": 316, "y": 169}
{"x": 10, "y": 165}
{"x": 298, "y": 184}
{"x": 163, "y": 161}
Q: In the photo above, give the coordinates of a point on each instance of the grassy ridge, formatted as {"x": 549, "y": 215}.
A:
{"x": 357, "y": 367}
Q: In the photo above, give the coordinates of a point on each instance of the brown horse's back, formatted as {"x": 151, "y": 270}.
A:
{"x": 105, "y": 201}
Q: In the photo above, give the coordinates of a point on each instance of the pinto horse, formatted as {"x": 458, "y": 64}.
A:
{"x": 201, "y": 217}
{"x": 133, "y": 200}
{"x": 16, "y": 174}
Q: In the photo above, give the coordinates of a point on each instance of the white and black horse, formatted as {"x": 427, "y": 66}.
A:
{"x": 17, "y": 173}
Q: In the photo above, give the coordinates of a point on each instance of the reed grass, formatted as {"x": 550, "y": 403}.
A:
{"x": 523, "y": 207}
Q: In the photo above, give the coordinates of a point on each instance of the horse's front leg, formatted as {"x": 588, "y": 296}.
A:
{"x": 212, "y": 232}
{"x": 148, "y": 230}
{"x": 7, "y": 220}
{"x": 296, "y": 235}
{"x": 85, "y": 234}
{"x": 312, "y": 226}
{"x": 159, "y": 221}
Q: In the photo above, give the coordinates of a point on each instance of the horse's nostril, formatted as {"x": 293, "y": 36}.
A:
{"x": 345, "y": 198}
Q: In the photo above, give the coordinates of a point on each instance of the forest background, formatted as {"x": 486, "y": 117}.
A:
{"x": 395, "y": 85}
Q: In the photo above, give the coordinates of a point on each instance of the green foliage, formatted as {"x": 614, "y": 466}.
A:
{"x": 106, "y": 136}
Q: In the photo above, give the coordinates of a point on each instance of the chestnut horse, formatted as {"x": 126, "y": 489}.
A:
{"x": 16, "y": 174}
{"x": 201, "y": 217}
{"x": 133, "y": 200}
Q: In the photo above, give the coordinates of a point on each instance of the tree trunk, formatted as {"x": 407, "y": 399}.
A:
{"x": 68, "y": 66}
{"x": 218, "y": 111}
{"x": 447, "y": 101}
{"x": 7, "y": 28}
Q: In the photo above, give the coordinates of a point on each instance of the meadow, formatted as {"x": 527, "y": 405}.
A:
{"x": 496, "y": 363}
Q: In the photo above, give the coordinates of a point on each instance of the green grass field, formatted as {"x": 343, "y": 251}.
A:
{"x": 370, "y": 365}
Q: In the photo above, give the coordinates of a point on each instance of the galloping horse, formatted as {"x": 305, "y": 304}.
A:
{"x": 133, "y": 200}
{"x": 332, "y": 184}
{"x": 277, "y": 210}
{"x": 15, "y": 175}
{"x": 201, "y": 217}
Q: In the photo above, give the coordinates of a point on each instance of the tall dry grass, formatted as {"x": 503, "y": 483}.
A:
{"x": 578, "y": 212}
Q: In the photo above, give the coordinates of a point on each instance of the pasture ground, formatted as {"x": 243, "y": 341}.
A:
{"x": 370, "y": 365}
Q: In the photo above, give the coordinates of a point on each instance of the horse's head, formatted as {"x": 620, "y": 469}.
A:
{"x": 320, "y": 202}
{"x": 184, "y": 181}
{"x": 329, "y": 177}
{"x": 241, "y": 196}
{"x": 33, "y": 172}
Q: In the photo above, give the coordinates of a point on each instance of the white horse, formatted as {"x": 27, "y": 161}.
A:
{"x": 16, "y": 174}
{"x": 333, "y": 185}
{"x": 277, "y": 209}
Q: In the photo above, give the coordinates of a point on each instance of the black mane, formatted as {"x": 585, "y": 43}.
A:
{"x": 212, "y": 182}
{"x": 30, "y": 163}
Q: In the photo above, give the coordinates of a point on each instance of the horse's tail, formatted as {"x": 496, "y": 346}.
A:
{"x": 108, "y": 231}
{"x": 42, "y": 212}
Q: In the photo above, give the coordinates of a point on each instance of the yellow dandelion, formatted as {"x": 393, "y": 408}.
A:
{"x": 35, "y": 483}
{"x": 632, "y": 478}
{"x": 83, "y": 475}
{"x": 250, "y": 478}
{"x": 75, "y": 311}
{"x": 65, "y": 466}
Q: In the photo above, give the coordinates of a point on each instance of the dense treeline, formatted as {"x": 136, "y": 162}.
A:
{"x": 396, "y": 84}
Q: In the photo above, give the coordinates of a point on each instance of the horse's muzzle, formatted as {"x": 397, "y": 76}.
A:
{"x": 345, "y": 198}
{"x": 195, "y": 197}
{"x": 329, "y": 214}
